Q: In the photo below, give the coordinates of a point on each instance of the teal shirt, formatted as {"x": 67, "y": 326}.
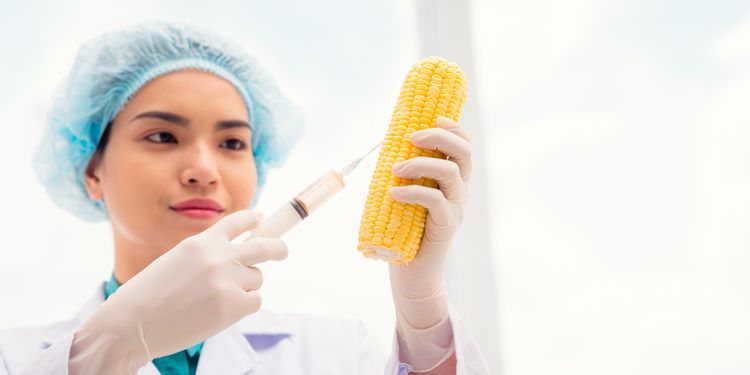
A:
{"x": 180, "y": 363}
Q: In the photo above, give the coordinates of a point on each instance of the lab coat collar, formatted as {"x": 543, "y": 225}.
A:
{"x": 227, "y": 352}
{"x": 61, "y": 330}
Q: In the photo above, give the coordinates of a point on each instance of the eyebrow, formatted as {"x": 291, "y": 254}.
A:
{"x": 182, "y": 121}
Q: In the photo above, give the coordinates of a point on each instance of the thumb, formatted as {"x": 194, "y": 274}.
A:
{"x": 236, "y": 223}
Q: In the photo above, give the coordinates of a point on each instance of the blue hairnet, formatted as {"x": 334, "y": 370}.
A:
{"x": 111, "y": 68}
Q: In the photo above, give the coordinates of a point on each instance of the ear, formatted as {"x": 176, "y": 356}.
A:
{"x": 92, "y": 177}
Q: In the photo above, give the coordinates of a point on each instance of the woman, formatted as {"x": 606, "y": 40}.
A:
{"x": 168, "y": 132}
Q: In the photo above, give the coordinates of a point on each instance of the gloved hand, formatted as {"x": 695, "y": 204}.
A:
{"x": 423, "y": 276}
{"x": 201, "y": 286}
{"x": 425, "y": 336}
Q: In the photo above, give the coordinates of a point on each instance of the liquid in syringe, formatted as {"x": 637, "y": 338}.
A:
{"x": 307, "y": 201}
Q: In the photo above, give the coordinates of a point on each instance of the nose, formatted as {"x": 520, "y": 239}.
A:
{"x": 200, "y": 169}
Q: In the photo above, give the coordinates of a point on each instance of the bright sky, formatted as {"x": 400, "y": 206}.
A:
{"x": 621, "y": 169}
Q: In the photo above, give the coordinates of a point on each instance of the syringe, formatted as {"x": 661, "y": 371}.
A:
{"x": 306, "y": 202}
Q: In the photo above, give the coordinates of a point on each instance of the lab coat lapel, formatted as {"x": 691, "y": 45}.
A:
{"x": 227, "y": 353}
{"x": 231, "y": 351}
{"x": 72, "y": 325}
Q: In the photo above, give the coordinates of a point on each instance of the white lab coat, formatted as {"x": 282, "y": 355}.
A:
{"x": 262, "y": 343}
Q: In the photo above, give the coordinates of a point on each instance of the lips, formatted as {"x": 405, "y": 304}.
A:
{"x": 199, "y": 208}
{"x": 198, "y": 203}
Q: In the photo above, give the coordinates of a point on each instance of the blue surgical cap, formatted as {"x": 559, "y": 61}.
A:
{"x": 111, "y": 68}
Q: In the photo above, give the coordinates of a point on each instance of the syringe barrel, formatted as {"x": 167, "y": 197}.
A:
{"x": 301, "y": 206}
{"x": 279, "y": 222}
{"x": 320, "y": 191}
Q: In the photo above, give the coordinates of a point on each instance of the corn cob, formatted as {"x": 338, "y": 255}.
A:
{"x": 391, "y": 230}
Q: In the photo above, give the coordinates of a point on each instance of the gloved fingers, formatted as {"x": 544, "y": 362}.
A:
{"x": 251, "y": 301}
{"x": 445, "y": 172}
{"x": 236, "y": 223}
{"x": 453, "y": 127}
{"x": 242, "y": 304}
{"x": 247, "y": 278}
{"x": 431, "y": 199}
{"x": 259, "y": 249}
{"x": 457, "y": 148}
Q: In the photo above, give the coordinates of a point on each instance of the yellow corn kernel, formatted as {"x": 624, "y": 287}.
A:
{"x": 391, "y": 230}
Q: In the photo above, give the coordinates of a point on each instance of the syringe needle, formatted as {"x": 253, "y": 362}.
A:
{"x": 349, "y": 168}
{"x": 306, "y": 202}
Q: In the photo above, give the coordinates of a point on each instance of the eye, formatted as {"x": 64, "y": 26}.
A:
{"x": 162, "y": 137}
{"x": 234, "y": 144}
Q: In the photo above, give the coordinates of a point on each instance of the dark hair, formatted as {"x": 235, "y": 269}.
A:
{"x": 104, "y": 140}
{"x": 96, "y": 157}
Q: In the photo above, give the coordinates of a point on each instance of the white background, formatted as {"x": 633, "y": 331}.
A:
{"x": 617, "y": 140}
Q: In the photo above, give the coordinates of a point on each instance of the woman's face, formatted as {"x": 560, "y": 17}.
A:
{"x": 183, "y": 136}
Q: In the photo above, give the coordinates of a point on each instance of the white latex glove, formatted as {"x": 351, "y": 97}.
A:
{"x": 425, "y": 335}
{"x": 203, "y": 285}
{"x": 423, "y": 276}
